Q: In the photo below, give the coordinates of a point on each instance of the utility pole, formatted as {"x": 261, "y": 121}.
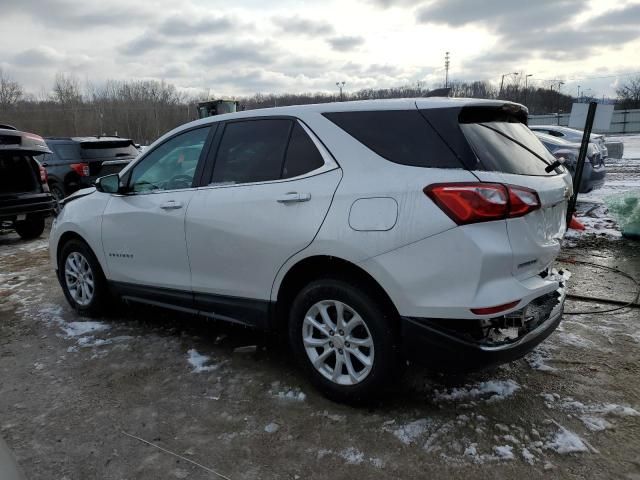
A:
{"x": 578, "y": 97}
{"x": 340, "y": 85}
{"x": 446, "y": 70}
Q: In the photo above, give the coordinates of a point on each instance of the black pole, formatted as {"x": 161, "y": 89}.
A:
{"x": 584, "y": 147}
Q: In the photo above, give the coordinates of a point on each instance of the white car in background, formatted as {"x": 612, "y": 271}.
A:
{"x": 371, "y": 232}
{"x": 575, "y": 136}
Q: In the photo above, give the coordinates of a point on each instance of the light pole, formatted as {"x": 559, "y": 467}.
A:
{"x": 502, "y": 80}
{"x": 340, "y": 85}
{"x": 578, "y": 97}
{"x": 526, "y": 77}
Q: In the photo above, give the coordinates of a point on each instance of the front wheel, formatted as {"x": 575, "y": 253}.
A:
{"x": 30, "y": 228}
{"x": 82, "y": 279}
{"x": 344, "y": 339}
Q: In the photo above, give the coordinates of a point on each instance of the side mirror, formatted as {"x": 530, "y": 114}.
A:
{"x": 108, "y": 183}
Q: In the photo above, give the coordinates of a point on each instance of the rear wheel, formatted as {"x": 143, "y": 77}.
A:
{"x": 57, "y": 192}
{"x": 82, "y": 279}
{"x": 343, "y": 338}
{"x": 31, "y": 227}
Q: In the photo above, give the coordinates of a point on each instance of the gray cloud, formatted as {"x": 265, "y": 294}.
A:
{"x": 627, "y": 16}
{"x": 345, "y": 42}
{"x": 395, "y": 3}
{"x": 533, "y": 29}
{"x": 252, "y": 53}
{"x": 36, "y": 57}
{"x": 189, "y": 26}
{"x": 303, "y": 26}
{"x": 62, "y": 14}
{"x": 141, "y": 45}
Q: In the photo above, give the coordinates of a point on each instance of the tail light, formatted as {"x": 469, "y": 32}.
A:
{"x": 44, "y": 177}
{"x": 468, "y": 203}
{"x": 81, "y": 169}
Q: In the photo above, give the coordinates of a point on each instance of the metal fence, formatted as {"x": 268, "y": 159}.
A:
{"x": 623, "y": 121}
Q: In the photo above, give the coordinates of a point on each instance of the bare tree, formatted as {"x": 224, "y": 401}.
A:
{"x": 10, "y": 91}
{"x": 629, "y": 94}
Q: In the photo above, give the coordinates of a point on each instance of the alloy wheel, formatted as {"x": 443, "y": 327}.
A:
{"x": 79, "y": 279}
{"x": 338, "y": 342}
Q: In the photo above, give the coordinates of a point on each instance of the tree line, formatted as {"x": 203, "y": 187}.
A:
{"x": 145, "y": 109}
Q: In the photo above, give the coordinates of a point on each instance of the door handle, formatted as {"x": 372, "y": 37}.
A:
{"x": 171, "y": 205}
{"x": 292, "y": 197}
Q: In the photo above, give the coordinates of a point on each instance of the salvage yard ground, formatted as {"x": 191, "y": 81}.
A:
{"x": 72, "y": 389}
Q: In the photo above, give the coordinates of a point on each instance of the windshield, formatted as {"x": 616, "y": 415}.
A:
{"x": 508, "y": 147}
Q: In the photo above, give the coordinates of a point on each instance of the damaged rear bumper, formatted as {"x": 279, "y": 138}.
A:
{"x": 463, "y": 345}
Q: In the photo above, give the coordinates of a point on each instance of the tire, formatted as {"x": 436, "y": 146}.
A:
{"x": 57, "y": 191}
{"x": 373, "y": 326}
{"x": 77, "y": 261}
{"x": 30, "y": 228}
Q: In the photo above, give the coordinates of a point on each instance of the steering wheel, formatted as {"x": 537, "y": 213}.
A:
{"x": 179, "y": 181}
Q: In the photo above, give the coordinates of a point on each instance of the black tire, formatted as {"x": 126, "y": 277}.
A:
{"x": 30, "y": 228}
{"x": 378, "y": 320}
{"x": 57, "y": 191}
{"x": 100, "y": 299}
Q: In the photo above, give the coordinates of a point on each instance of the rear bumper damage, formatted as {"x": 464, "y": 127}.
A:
{"x": 463, "y": 345}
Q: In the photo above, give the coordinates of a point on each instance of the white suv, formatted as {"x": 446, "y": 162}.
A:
{"x": 371, "y": 231}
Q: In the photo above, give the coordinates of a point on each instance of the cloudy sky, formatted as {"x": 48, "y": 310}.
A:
{"x": 273, "y": 46}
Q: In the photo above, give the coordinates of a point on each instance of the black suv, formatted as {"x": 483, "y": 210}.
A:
{"x": 25, "y": 200}
{"x": 76, "y": 162}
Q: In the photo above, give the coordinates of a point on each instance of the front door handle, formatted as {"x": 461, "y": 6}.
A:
{"x": 292, "y": 197}
{"x": 171, "y": 205}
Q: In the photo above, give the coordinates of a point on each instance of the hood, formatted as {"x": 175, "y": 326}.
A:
{"x": 76, "y": 195}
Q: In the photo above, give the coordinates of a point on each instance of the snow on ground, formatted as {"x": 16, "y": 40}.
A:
{"x": 490, "y": 391}
{"x": 287, "y": 393}
{"x": 199, "y": 362}
{"x": 622, "y": 176}
{"x": 565, "y": 441}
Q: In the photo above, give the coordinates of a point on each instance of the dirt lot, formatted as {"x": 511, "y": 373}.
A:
{"x": 70, "y": 389}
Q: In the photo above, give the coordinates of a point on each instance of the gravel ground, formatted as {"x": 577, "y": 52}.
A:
{"x": 72, "y": 390}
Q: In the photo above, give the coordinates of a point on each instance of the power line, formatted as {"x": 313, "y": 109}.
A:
{"x": 613, "y": 75}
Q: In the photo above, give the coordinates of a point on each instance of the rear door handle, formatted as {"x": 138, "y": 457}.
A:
{"x": 171, "y": 205}
{"x": 292, "y": 197}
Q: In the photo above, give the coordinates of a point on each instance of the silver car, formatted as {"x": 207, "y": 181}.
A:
{"x": 594, "y": 173}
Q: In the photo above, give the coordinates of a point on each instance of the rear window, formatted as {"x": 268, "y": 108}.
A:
{"x": 16, "y": 173}
{"x": 400, "y": 136}
{"x": 68, "y": 151}
{"x": 108, "y": 149}
{"x": 508, "y": 147}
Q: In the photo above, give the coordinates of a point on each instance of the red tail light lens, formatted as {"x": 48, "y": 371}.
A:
{"x": 522, "y": 201}
{"x": 468, "y": 203}
{"x": 44, "y": 177}
{"x": 496, "y": 309}
{"x": 81, "y": 169}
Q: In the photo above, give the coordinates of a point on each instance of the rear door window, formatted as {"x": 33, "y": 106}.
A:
{"x": 251, "y": 151}
{"x": 400, "y": 136}
{"x": 69, "y": 151}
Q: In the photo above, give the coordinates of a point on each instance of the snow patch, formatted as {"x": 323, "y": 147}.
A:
{"x": 410, "y": 432}
{"x": 199, "y": 361}
{"x": 78, "y": 329}
{"x": 504, "y": 452}
{"x": 490, "y": 391}
{"x": 352, "y": 456}
{"x": 565, "y": 441}
{"x": 272, "y": 428}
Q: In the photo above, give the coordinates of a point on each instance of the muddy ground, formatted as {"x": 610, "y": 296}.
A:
{"x": 71, "y": 391}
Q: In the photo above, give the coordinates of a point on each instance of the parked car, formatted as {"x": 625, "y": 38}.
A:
{"x": 25, "y": 200}
{"x": 76, "y": 162}
{"x": 369, "y": 231}
{"x": 594, "y": 171}
{"x": 574, "y": 136}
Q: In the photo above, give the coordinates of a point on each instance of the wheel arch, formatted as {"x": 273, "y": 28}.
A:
{"x": 67, "y": 237}
{"x": 320, "y": 266}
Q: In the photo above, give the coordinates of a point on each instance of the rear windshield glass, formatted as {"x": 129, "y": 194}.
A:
{"x": 16, "y": 173}
{"x": 108, "y": 149}
{"x": 508, "y": 147}
{"x": 400, "y": 136}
